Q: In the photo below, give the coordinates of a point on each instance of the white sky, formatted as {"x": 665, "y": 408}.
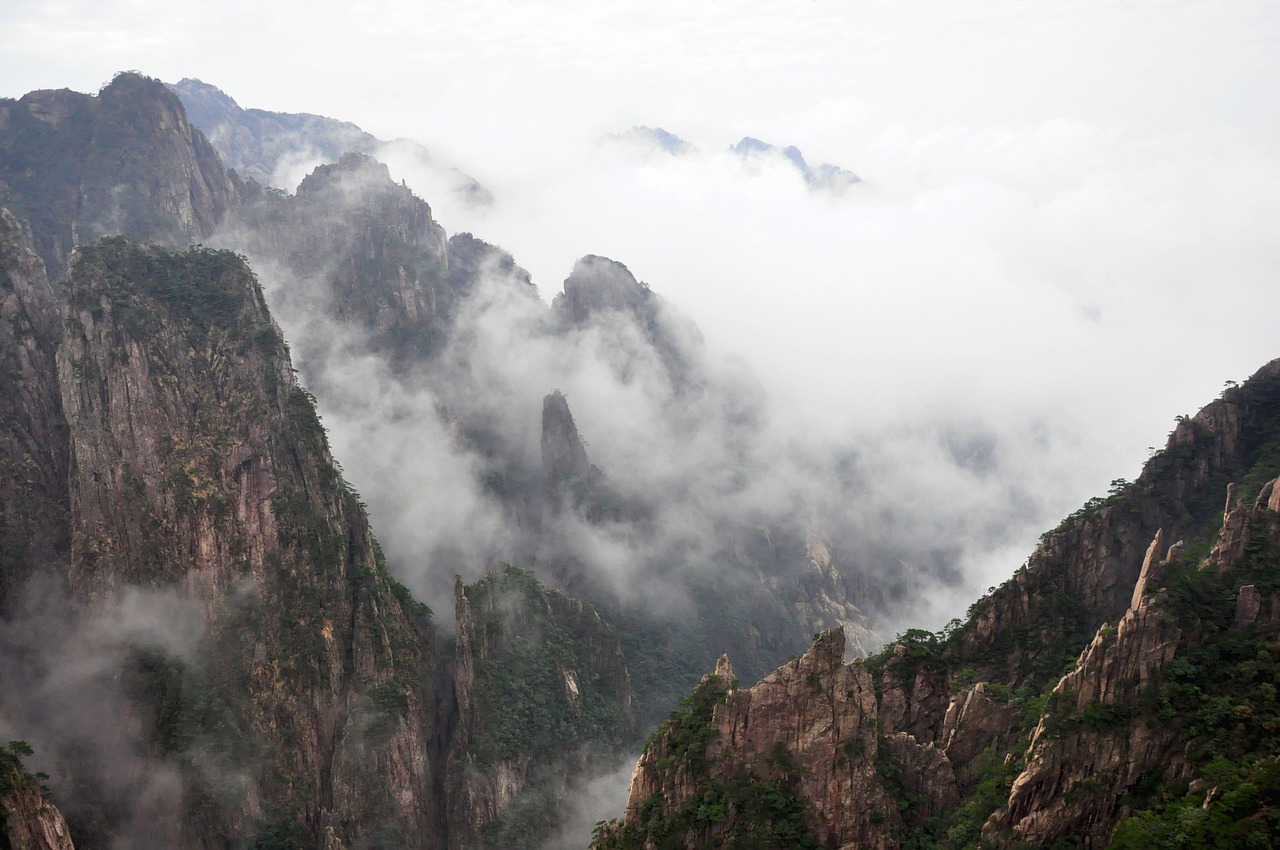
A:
{"x": 1069, "y": 224}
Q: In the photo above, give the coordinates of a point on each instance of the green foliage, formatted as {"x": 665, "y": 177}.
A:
{"x": 993, "y": 778}
{"x": 742, "y": 813}
{"x": 523, "y": 698}
{"x": 14, "y": 774}
{"x": 1243, "y": 811}
{"x": 200, "y": 289}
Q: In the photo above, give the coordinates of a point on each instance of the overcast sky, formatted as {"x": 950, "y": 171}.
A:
{"x": 1066, "y": 234}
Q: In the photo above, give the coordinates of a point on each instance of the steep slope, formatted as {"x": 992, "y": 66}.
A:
{"x": 126, "y": 161}
{"x": 544, "y": 698}
{"x": 1162, "y": 730}
{"x": 198, "y": 467}
{"x": 28, "y": 821}
{"x": 33, "y": 433}
{"x": 365, "y": 251}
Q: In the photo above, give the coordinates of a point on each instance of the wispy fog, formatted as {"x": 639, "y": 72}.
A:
{"x": 996, "y": 323}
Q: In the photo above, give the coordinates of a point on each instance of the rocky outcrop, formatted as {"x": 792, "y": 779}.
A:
{"x": 543, "y": 696}
{"x": 604, "y": 294}
{"x": 1103, "y": 732}
{"x": 1084, "y": 572}
{"x": 124, "y": 162}
{"x": 566, "y": 472}
{"x": 357, "y": 247}
{"x": 808, "y": 733}
{"x": 28, "y": 821}
{"x": 1074, "y": 776}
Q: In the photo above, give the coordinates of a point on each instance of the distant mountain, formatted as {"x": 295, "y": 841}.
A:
{"x": 824, "y": 176}
{"x": 273, "y": 148}
{"x": 653, "y": 137}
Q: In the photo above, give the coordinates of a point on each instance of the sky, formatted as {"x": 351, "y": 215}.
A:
{"x": 1065, "y": 234}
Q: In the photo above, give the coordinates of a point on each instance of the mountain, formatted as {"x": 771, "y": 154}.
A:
{"x": 652, "y": 137}
{"x": 204, "y": 644}
{"x": 825, "y": 176}
{"x": 123, "y": 162}
{"x": 271, "y": 147}
{"x": 1161, "y": 731}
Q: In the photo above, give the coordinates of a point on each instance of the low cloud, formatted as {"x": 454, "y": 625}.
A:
{"x": 65, "y": 694}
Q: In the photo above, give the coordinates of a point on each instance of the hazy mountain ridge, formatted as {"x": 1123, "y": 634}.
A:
{"x": 275, "y": 148}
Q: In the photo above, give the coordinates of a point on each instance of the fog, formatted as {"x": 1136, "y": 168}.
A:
{"x": 68, "y": 669}
{"x": 1062, "y": 240}
{"x": 988, "y": 330}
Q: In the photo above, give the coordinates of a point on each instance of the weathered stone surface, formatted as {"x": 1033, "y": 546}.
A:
{"x": 198, "y": 465}
{"x": 29, "y": 821}
{"x": 34, "y": 530}
{"x": 974, "y": 722}
{"x": 811, "y": 725}
{"x": 126, "y": 161}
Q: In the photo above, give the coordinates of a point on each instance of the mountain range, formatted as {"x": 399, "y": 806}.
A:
{"x": 209, "y": 638}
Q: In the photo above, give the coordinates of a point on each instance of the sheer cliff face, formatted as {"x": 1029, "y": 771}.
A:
{"x": 198, "y": 468}
{"x": 33, "y": 434}
{"x": 125, "y": 161}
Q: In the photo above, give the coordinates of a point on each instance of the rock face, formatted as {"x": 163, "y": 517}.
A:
{"x": 33, "y": 432}
{"x": 359, "y": 248}
{"x": 125, "y": 161}
{"x": 798, "y": 758}
{"x": 1084, "y": 572}
{"x": 197, "y": 467}
{"x": 28, "y": 821}
{"x": 544, "y": 696}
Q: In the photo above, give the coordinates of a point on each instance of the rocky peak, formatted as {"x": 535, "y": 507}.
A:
{"x": 807, "y": 733}
{"x": 358, "y": 247}
{"x": 566, "y": 472}
{"x": 126, "y": 161}
{"x": 598, "y": 285}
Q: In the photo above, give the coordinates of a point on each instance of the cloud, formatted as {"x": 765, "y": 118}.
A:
{"x": 1046, "y": 290}
{"x": 66, "y": 673}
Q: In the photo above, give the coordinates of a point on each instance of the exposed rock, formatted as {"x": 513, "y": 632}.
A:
{"x": 198, "y": 465}
{"x": 808, "y": 729}
{"x": 566, "y": 472}
{"x": 126, "y": 161}
{"x": 973, "y": 723}
{"x": 34, "y": 530}
{"x": 28, "y": 821}
{"x": 1084, "y": 572}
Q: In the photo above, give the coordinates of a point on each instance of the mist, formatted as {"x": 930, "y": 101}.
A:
{"x": 67, "y": 672}
{"x": 1062, "y": 291}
